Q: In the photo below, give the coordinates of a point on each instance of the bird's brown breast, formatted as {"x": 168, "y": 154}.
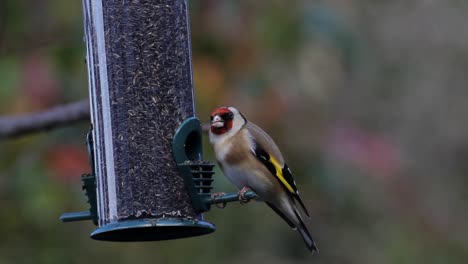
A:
{"x": 238, "y": 148}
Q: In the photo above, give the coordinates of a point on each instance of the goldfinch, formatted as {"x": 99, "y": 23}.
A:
{"x": 251, "y": 161}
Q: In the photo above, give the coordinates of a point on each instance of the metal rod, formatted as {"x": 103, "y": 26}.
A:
{"x": 76, "y": 216}
{"x": 231, "y": 197}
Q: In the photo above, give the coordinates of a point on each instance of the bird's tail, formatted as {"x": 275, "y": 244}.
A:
{"x": 301, "y": 228}
{"x": 309, "y": 241}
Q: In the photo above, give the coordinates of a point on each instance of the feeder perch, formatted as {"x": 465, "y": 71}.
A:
{"x": 89, "y": 186}
{"x": 197, "y": 174}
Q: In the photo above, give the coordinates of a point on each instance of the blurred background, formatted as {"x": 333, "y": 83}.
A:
{"x": 367, "y": 100}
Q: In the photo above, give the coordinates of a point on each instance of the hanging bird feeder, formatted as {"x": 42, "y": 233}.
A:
{"x": 148, "y": 179}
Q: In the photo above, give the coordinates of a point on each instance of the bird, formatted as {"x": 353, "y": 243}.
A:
{"x": 251, "y": 160}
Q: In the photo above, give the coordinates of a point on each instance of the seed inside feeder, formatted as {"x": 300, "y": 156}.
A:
{"x": 147, "y": 94}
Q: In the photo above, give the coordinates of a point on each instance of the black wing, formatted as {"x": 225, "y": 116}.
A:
{"x": 282, "y": 174}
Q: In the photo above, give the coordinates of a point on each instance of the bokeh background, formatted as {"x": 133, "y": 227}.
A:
{"x": 367, "y": 100}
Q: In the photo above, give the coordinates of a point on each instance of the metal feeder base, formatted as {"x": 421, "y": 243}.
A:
{"x": 152, "y": 230}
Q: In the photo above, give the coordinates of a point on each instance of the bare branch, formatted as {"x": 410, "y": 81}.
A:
{"x": 13, "y": 126}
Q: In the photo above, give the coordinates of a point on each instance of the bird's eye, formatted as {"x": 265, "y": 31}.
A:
{"x": 211, "y": 118}
{"x": 228, "y": 116}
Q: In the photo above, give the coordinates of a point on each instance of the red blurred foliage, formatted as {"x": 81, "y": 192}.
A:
{"x": 374, "y": 154}
{"x": 39, "y": 84}
{"x": 209, "y": 78}
{"x": 273, "y": 106}
{"x": 68, "y": 162}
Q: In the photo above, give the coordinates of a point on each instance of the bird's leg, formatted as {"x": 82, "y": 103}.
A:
{"x": 241, "y": 194}
{"x": 218, "y": 195}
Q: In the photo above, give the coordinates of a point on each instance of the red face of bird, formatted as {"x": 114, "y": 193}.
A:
{"x": 221, "y": 120}
{"x": 225, "y": 122}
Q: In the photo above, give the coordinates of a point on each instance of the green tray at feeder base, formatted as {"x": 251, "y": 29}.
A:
{"x": 152, "y": 229}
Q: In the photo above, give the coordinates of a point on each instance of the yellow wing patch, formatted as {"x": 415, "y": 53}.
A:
{"x": 275, "y": 168}
{"x": 279, "y": 174}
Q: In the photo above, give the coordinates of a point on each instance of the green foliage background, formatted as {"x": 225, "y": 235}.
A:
{"x": 367, "y": 99}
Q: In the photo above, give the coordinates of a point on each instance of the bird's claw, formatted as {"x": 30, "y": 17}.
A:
{"x": 218, "y": 195}
{"x": 241, "y": 194}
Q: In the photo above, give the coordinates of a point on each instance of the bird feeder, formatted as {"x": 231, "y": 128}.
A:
{"x": 148, "y": 179}
{"x": 140, "y": 78}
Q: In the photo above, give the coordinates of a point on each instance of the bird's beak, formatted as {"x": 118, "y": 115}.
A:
{"x": 217, "y": 121}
